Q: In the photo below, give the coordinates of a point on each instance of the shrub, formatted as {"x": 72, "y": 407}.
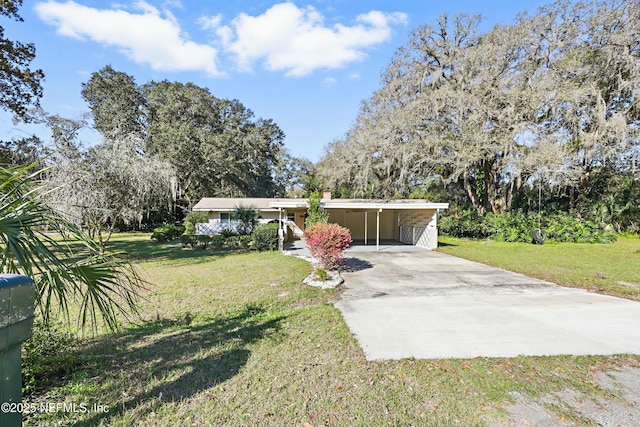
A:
{"x": 245, "y": 241}
{"x": 167, "y": 233}
{"x": 188, "y": 240}
{"x": 516, "y": 226}
{"x": 203, "y": 240}
{"x": 239, "y": 242}
{"x": 217, "y": 242}
{"x": 228, "y": 233}
{"x": 265, "y": 237}
{"x": 189, "y": 228}
{"x": 326, "y": 243}
{"x": 194, "y": 218}
{"x": 322, "y": 275}
{"x": 46, "y": 355}
{"x": 512, "y": 226}
{"x": 465, "y": 223}
{"x": 160, "y": 235}
{"x": 565, "y": 228}
{"x": 232, "y": 242}
{"x": 315, "y": 212}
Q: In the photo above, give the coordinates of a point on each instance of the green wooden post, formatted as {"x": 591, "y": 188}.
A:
{"x": 17, "y": 298}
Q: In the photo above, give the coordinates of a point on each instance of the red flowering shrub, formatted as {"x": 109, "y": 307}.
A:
{"x": 326, "y": 243}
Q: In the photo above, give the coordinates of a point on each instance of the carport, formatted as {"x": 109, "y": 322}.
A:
{"x": 411, "y": 222}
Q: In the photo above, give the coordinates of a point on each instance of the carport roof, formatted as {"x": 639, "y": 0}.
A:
{"x": 230, "y": 203}
{"x": 364, "y": 204}
{"x": 381, "y": 204}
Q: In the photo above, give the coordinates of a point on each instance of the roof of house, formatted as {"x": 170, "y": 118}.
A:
{"x": 230, "y": 203}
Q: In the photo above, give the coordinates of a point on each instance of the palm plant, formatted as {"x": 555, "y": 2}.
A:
{"x": 74, "y": 271}
{"x": 247, "y": 219}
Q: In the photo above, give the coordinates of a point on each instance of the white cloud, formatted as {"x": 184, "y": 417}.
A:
{"x": 330, "y": 81}
{"x": 211, "y": 22}
{"x": 284, "y": 38}
{"x": 148, "y": 37}
{"x": 297, "y": 41}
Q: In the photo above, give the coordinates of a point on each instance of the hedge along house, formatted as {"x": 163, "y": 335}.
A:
{"x": 412, "y": 222}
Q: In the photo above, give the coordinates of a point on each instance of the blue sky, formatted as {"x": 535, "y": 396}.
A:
{"x": 305, "y": 64}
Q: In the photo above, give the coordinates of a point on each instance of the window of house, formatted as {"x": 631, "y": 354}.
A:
{"x": 224, "y": 216}
{"x": 291, "y": 216}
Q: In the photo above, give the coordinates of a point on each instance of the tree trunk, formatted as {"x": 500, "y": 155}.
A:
{"x": 514, "y": 186}
{"x": 110, "y": 232}
{"x": 471, "y": 193}
{"x": 490, "y": 187}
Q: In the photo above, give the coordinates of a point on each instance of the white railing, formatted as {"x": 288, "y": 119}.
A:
{"x": 216, "y": 226}
{"x": 295, "y": 229}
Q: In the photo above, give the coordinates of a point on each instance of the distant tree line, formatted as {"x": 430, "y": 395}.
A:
{"x": 548, "y": 106}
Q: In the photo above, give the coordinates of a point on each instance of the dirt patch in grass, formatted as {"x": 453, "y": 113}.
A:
{"x": 618, "y": 405}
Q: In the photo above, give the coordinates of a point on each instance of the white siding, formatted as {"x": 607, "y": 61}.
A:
{"x": 419, "y": 227}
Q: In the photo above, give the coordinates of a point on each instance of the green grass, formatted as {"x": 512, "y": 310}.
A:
{"x": 235, "y": 339}
{"x": 612, "y": 268}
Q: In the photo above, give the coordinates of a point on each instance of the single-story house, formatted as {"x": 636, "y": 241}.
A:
{"x": 407, "y": 221}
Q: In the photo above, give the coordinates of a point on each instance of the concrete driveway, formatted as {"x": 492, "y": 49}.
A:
{"x": 428, "y": 305}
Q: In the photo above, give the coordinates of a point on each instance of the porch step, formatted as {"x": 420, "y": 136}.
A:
{"x": 297, "y": 232}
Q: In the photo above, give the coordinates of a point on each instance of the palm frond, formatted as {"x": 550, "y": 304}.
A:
{"x": 101, "y": 284}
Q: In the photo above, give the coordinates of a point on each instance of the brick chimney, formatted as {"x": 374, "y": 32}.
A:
{"x": 326, "y": 195}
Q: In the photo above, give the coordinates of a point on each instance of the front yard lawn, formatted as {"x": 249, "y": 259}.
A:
{"x": 235, "y": 339}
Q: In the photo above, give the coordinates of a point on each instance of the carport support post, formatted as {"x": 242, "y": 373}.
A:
{"x": 378, "y": 229}
{"x": 280, "y": 231}
{"x": 365, "y": 227}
